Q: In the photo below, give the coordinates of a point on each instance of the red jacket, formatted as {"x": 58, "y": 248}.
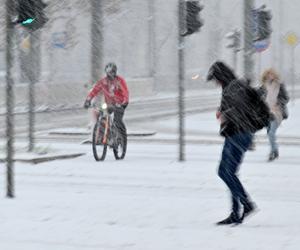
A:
{"x": 114, "y": 91}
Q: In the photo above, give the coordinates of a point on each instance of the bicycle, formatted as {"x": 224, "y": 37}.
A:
{"x": 106, "y": 134}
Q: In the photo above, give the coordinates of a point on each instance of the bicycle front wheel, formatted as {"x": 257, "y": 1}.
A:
{"x": 120, "y": 146}
{"x": 99, "y": 142}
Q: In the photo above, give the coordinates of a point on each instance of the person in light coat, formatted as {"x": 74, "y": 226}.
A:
{"x": 275, "y": 95}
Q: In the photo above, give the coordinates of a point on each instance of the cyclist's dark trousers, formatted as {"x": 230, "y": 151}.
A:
{"x": 232, "y": 156}
{"x": 118, "y": 118}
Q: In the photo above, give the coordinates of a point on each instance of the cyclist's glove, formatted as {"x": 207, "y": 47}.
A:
{"x": 124, "y": 106}
{"x": 87, "y": 104}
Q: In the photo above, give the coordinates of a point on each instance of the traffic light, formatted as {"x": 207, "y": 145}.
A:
{"x": 193, "y": 22}
{"x": 31, "y": 14}
{"x": 264, "y": 24}
{"x": 235, "y": 40}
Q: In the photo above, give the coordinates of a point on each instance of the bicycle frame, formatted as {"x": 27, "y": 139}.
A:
{"x": 108, "y": 119}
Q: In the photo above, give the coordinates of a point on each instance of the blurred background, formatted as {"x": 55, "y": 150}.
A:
{"x": 141, "y": 38}
{"x": 67, "y": 55}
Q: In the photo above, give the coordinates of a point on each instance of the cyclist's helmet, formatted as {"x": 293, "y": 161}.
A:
{"x": 111, "y": 70}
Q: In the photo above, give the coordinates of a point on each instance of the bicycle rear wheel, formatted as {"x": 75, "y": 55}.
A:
{"x": 99, "y": 144}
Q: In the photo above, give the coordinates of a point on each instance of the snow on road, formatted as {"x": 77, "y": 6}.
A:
{"x": 150, "y": 201}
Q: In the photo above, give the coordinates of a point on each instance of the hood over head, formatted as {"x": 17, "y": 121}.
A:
{"x": 222, "y": 73}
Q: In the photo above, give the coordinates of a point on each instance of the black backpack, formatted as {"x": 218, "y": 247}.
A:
{"x": 243, "y": 108}
{"x": 258, "y": 112}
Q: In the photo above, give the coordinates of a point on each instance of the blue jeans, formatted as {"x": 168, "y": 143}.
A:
{"x": 232, "y": 155}
{"x": 273, "y": 126}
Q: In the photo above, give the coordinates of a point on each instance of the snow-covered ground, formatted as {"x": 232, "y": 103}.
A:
{"x": 150, "y": 201}
{"x": 206, "y": 124}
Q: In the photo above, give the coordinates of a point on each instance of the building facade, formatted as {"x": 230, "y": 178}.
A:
{"x": 140, "y": 36}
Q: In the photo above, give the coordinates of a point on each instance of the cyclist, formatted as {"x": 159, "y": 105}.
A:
{"x": 115, "y": 91}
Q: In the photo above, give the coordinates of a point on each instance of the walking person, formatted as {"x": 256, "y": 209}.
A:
{"x": 274, "y": 92}
{"x": 236, "y": 114}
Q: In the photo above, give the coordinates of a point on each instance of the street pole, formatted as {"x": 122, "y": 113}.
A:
{"x": 97, "y": 40}
{"x": 248, "y": 39}
{"x": 181, "y": 80}
{"x": 214, "y": 35}
{"x": 234, "y": 45}
{"x": 33, "y": 75}
{"x": 96, "y": 46}
{"x": 152, "y": 44}
{"x": 9, "y": 99}
{"x": 152, "y": 38}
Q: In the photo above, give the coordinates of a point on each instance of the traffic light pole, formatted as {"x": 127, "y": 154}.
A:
{"x": 235, "y": 39}
{"x": 181, "y": 80}
{"x": 248, "y": 39}
{"x": 9, "y": 100}
{"x": 32, "y": 75}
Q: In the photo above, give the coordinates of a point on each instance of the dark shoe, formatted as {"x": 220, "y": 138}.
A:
{"x": 232, "y": 219}
{"x": 249, "y": 208}
{"x": 273, "y": 156}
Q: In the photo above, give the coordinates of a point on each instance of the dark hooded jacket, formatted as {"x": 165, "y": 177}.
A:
{"x": 241, "y": 106}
